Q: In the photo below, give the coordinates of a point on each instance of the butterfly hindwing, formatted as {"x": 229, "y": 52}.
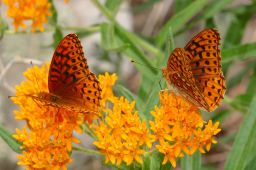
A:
{"x": 181, "y": 77}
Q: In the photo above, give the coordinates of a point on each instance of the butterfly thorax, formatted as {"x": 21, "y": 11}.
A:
{"x": 47, "y": 98}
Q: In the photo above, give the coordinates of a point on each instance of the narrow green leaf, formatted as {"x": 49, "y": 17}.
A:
{"x": 3, "y": 27}
{"x": 251, "y": 164}
{"x": 84, "y": 31}
{"x": 181, "y": 4}
{"x": 7, "y": 137}
{"x": 135, "y": 53}
{"x": 241, "y": 102}
{"x": 234, "y": 81}
{"x": 220, "y": 116}
{"x": 144, "y": 6}
{"x": 152, "y": 98}
{"x": 153, "y": 161}
{"x": 57, "y": 36}
{"x": 168, "y": 49}
{"x": 53, "y": 19}
{"x": 113, "y": 5}
{"x": 239, "y": 52}
{"x": 131, "y": 37}
{"x": 236, "y": 29}
{"x": 107, "y": 36}
{"x": 214, "y": 7}
{"x": 125, "y": 92}
{"x": 244, "y": 146}
{"x": 108, "y": 39}
{"x": 180, "y": 19}
{"x": 191, "y": 162}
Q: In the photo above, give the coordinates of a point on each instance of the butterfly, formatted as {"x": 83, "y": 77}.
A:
{"x": 70, "y": 82}
{"x": 195, "y": 71}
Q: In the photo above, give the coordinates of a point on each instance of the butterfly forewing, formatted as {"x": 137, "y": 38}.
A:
{"x": 70, "y": 78}
{"x": 68, "y": 65}
{"x": 206, "y": 66}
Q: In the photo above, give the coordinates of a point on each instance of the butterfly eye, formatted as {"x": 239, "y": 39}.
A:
{"x": 54, "y": 98}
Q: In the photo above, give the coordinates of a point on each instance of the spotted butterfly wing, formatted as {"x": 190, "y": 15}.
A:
{"x": 70, "y": 79}
{"x": 181, "y": 79}
{"x": 203, "y": 56}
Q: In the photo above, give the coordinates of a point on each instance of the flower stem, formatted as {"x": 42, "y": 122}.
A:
{"x": 86, "y": 150}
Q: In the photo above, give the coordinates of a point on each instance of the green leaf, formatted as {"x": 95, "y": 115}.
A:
{"x": 107, "y": 36}
{"x": 181, "y": 4}
{"x": 241, "y": 102}
{"x": 180, "y": 19}
{"x": 125, "y": 92}
{"x": 191, "y": 162}
{"x": 214, "y": 8}
{"x": 234, "y": 81}
{"x": 220, "y": 116}
{"x": 7, "y": 137}
{"x": 130, "y": 36}
{"x": 251, "y": 164}
{"x": 239, "y": 52}
{"x": 108, "y": 39}
{"x": 3, "y": 27}
{"x": 135, "y": 53}
{"x": 113, "y": 5}
{"x": 144, "y": 6}
{"x": 53, "y": 20}
{"x": 244, "y": 146}
{"x": 57, "y": 37}
{"x": 236, "y": 29}
{"x": 152, "y": 98}
{"x": 85, "y": 31}
{"x": 153, "y": 161}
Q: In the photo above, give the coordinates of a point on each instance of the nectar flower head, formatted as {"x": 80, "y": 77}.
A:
{"x": 107, "y": 81}
{"x": 179, "y": 128}
{"x": 35, "y": 11}
{"x": 47, "y": 138}
{"x": 121, "y": 135}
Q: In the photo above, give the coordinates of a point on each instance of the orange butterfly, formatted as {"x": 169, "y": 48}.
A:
{"x": 70, "y": 82}
{"x": 195, "y": 71}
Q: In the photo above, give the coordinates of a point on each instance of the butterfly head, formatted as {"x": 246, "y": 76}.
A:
{"x": 165, "y": 73}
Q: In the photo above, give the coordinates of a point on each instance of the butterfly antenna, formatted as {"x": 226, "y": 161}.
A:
{"x": 145, "y": 65}
{"x": 35, "y": 77}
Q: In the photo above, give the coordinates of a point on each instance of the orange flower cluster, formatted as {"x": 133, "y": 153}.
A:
{"x": 35, "y": 11}
{"x": 180, "y": 129}
{"x": 48, "y": 142}
{"x": 106, "y": 82}
{"x": 121, "y": 135}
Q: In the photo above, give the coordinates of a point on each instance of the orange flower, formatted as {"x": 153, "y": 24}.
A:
{"x": 107, "y": 82}
{"x": 121, "y": 136}
{"x": 35, "y": 11}
{"x": 49, "y": 139}
{"x": 179, "y": 128}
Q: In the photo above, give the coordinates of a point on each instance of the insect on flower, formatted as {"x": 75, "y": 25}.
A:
{"x": 70, "y": 82}
{"x": 195, "y": 70}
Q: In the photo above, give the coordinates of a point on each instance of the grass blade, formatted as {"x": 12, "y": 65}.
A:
{"x": 244, "y": 146}
{"x": 7, "y": 137}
